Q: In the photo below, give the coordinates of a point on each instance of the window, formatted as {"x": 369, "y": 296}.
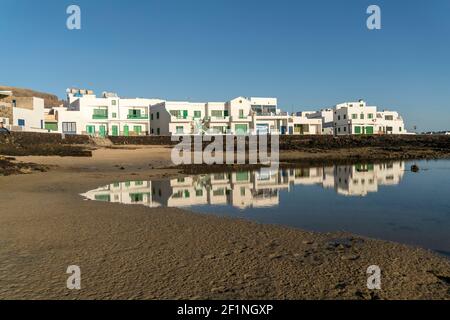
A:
{"x": 354, "y": 116}
{"x": 137, "y": 129}
{"x": 345, "y": 128}
{"x": 242, "y": 191}
{"x": 151, "y": 131}
{"x": 100, "y": 113}
{"x": 389, "y": 118}
{"x": 157, "y": 115}
{"x": 241, "y": 114}
{"x": 21, "y": 122}
{"x": 113, "y": 102}
{"x": 400, "y": 129}
{"x": 219, "y": 192}
{"x": 339, "y": 117}
{"x": 216, "y": 113}
{"x": 114, "y": 115}
{"x": 151, "y": 116}
{"x": 199, "y": 193}
{"x": 357, "y": 130}
{"x": 370, "y": 116}
{"x": 158, "y": 131}
{"x": 361, "y": 116}
{"x": 69, "y": 127}
{"x": 180, "y": 130}
{"x": 345, "y": 116}
{"x": 197, "y": 114}
{"x": 14, "y": 103}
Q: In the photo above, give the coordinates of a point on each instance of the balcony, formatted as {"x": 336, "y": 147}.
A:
{"x": 241, "y": 119}
{"x": 137, "y": 116}
{"x": 180, "y": 119}
{"x": 100, "y": 116}
{"x": 218, "y": 118}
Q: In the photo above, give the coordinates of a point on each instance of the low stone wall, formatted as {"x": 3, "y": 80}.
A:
{"x": 323, "y": 142}
{"x": 29, "y": 138}
{"x": 142, "y": 140}
{"x": 43, "y": 144}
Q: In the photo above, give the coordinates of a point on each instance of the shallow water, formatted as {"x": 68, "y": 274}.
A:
{"x": 383, "y": 200}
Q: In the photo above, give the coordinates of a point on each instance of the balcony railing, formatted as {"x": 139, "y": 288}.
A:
{"x": 137, "y": 116}
{"x": 99, "y": 116}
{"x": 217, "y": 118}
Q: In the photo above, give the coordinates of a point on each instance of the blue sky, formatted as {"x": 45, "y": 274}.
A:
{"x": 310, "y": 54}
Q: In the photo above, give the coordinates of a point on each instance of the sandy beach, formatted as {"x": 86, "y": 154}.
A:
{"x": 135, "y": 252}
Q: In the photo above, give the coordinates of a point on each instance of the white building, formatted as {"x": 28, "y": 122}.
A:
{"x": 359, "y": 118}
{"x": 238, "y": 116}
{"x": 327, "y": 117}
{"x": 21, "y": 113}
{"x": 85, "y": 113}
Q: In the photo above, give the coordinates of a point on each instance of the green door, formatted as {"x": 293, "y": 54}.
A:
{"x": 126, "y": 131}
{"x": 115, "y": 131}
{"x": 102, "y": 132}
{"x": 138, "y": 130}
{"x": 369, "y": 130}
{"x": 90, "y": 130}
{"x": 241, "y": 128}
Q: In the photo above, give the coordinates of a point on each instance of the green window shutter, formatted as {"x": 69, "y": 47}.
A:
{"x": 242, "y": 176}
{"x": 369, "y": 130}
{"x": 126, "y": 130}
{"x": 357, "y": 130}
{"x": 185, "y": 114}
{"x": 197, "y": 114}
{"x": 115, "y": 131}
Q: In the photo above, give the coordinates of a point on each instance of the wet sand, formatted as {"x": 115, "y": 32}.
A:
{"x": 135, "y": 252}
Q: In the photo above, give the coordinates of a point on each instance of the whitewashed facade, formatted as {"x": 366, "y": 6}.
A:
{"x": 85, "y": 113}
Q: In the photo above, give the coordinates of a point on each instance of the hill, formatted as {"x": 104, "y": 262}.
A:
{"x": 50, "y": 100}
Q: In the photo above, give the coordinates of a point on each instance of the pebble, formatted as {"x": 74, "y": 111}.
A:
{"x": 350, "y": 257}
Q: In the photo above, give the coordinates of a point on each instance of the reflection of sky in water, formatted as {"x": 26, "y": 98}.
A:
{"x": 382, "y": 201}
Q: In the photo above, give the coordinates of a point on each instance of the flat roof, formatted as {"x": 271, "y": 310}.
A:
{"x": 5, "y": 93}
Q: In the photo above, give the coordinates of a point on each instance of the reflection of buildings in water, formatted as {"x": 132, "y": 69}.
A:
{"x": 359, "y": 180}
{"x": 249, "y": 189}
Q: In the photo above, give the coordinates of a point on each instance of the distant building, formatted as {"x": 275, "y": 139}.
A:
{"x": 238, "y": 116}
{"x": 326, "y": 115}
{"x": 85, "y": 113}
{"x": 21, "y": 113}
{"x": 357, "y": 118}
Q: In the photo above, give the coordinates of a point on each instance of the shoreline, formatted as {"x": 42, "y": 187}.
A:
{"x": 168, "y": 253}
